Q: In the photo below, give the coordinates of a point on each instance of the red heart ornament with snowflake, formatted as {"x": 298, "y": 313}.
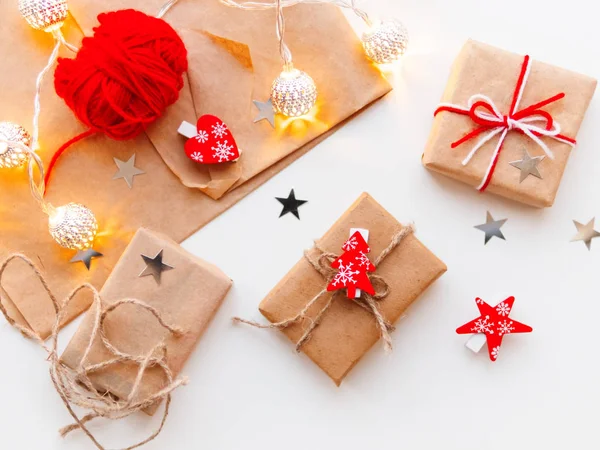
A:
{"x": 214, "y": 143}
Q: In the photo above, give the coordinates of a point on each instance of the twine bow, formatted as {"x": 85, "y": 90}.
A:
{"x": 322, "y": 264}
{"x": 75, "y": 387}
{"x": 532, "y": 121}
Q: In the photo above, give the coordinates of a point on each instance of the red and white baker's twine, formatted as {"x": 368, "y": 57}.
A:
{"x": 531, "y": 121}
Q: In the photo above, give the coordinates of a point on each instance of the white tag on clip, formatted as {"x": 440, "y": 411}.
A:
{"x": 477, "y": 341}
{"x": 188, "y": 130}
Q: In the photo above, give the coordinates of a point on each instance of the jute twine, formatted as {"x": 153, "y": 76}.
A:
{"x": 322, "y": 264}
{"x": 74, "y": 385}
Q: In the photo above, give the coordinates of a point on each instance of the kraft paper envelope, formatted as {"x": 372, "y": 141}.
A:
{"x": 158, "y": 200}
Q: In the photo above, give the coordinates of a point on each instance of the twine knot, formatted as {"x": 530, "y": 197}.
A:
{"x": 75, "y": 387}
{"x": 322, "y": 264}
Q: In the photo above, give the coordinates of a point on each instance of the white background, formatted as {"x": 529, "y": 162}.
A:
{"x": 249, "y": 390}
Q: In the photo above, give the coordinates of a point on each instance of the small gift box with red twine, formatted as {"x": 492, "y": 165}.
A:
{"x": 499, "y": 109}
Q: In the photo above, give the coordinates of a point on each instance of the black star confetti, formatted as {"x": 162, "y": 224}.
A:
{"x": 491, "y": 228}
{"x": 291, "y": 205}
{"x": 155, "y": 267}
{"x": 86, "y": 256}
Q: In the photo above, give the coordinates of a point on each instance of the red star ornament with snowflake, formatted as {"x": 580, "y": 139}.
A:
{"x": 214, "y": 143}
{"x": 353, "y": 267}
{"x": 495, "y": 324}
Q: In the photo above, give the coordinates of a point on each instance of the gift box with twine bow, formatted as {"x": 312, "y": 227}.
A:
{"x": 331, "y": 329}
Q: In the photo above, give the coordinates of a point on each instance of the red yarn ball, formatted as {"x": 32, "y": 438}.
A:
{"x": 125, "y": 76}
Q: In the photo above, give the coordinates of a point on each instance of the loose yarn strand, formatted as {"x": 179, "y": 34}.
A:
{"x": 58, "y": 154}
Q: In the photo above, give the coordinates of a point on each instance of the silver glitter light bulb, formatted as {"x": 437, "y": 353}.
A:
{"x": 46, "y": 15}
{"x": 73, "y": 226}
{"x": 13, "y": 156}
{"x": 293, "y": 93}
{"x": 385, "y": 42}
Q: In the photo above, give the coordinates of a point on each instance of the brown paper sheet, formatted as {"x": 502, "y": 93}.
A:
{"x": 347, "y": 331}
{"x": 158, "y": 199}
{"x": 232, "y": 64}
{"x": 483, "y": 69}
{"x": 187, "y": 297}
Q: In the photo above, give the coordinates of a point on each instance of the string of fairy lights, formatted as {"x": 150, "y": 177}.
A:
{"x": 293, "y": 94}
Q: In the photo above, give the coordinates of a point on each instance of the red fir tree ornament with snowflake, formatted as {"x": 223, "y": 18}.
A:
{"x": 353, "y": 267}
{"x": 213, "y": 143}
{"x": 495, "y": 324}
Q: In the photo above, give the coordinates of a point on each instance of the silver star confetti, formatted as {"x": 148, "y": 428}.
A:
{"x": 266, "y": 111}
{"x": 585, "y": 233}
{"x": 127, "y": 170}
{"x": 86, "y": 256}
{"x": 155, "y": 267}
{"x": 528, "y": 165}
{"x": 492, "y": 227}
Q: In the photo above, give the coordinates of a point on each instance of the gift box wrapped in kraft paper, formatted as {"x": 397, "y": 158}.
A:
{"x": 185, "y": 291}
{"x": 233, "y": 59}
{"x": 331, "y": 329}
{"x": 507, "y": 124}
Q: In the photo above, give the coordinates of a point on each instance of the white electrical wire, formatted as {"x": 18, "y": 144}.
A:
{"x": 284, "y": 51}
{"x": 38, "y": 187}
{"x": 166, "y": 7}
{"x": 37, "y": 103}
{"x": 279, "y": 5}
{"x": 254, "y": 5}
